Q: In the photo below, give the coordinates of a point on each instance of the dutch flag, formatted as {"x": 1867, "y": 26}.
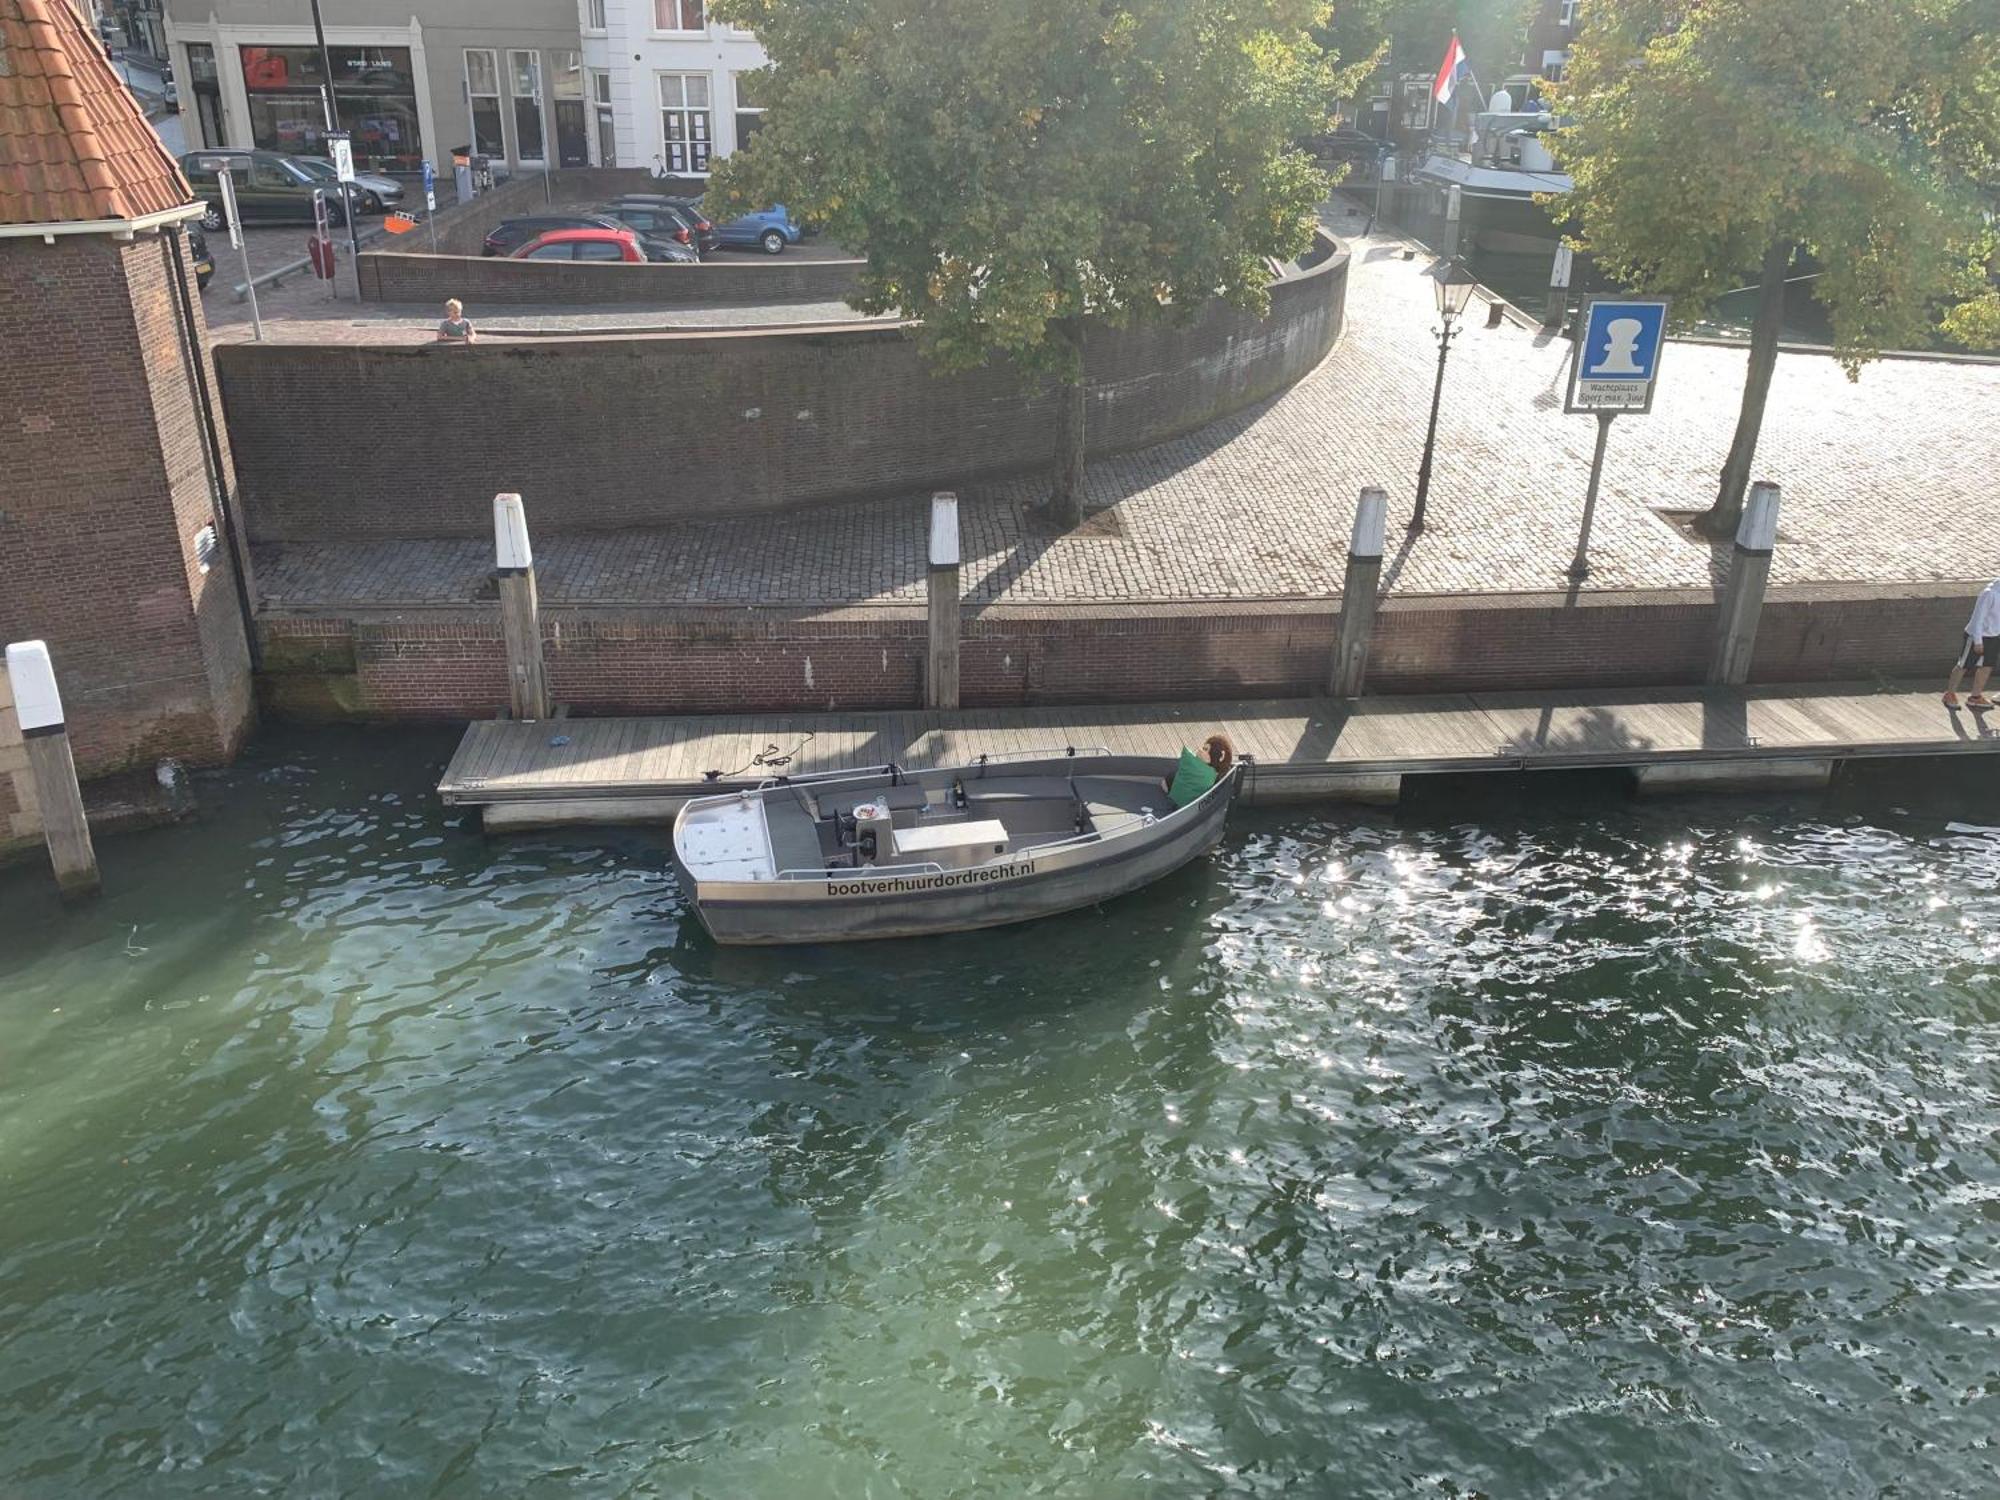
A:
{"x": 1454, "y": 69}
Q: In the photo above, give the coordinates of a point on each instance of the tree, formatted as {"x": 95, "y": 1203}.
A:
{"x": 1411, "y": 35}
{"x": 1713, "y": 141}
{"x": 1006, "y": 169}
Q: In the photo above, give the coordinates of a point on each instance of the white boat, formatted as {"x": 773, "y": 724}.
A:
{"x": 894, "y": 853}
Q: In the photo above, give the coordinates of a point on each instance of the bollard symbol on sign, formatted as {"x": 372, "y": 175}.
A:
{"x": 1617, "y": 357}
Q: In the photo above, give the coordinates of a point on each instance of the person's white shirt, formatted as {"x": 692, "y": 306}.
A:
{"x": 1985, "y": 622}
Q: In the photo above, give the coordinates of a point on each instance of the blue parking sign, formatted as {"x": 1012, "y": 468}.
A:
{"x": 1618, "y": 356}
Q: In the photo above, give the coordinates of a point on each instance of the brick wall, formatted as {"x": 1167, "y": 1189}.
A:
{"x": 634, "y": 431}
{"x": 450, "y": 665}
{"x": 483, "y": 282}
{"x": 106, "y": 487}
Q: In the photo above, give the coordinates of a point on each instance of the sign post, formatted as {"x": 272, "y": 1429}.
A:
{"x": 227, "y": 179}
{"x": 431, "y": 202}
{"x": 1613, "y": 372}
{"x": 341, "y": 145}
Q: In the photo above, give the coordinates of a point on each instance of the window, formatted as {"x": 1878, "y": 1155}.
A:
{"x": 749, "y": 107}
{"x": 268, "y": 174}
{"x": 679, "y": 15}
{"x": 1552, "y": 65}
{"x": 550, "y": 252}
{"x": 482, "y": 85}
{"x": 593, "y": 15}
{"x": 1567, "y": 19}
{"x": 684, "y": 121}
{"x": 599, "y": 250}
{"x": 607, "y": 129}
{"x": 378, "y": 102}
{"x": 524, "y": 82}
{"x": 600, "y": 85}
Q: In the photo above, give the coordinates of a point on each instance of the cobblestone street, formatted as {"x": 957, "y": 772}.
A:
{"x": 1888, "y": 480}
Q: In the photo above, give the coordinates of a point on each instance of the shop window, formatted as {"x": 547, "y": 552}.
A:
{"x": 524, "y": 82}
{"x": 482, "y": 86}
{"x": 375, "y": 89}
{"x": 684, "y": 121}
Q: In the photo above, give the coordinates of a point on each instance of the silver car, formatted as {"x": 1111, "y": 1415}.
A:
{"x": 372, "y": 192}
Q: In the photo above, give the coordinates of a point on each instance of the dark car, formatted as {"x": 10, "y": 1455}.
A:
{"x": 510, "y": 235}
{"x": 270, "y": 188}
{"x": 667, "y": 252}
{"x": 204, "y": 263}
{"x": 664, "y": 219}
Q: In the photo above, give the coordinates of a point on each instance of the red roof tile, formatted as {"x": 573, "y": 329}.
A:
{"x": 74, "y": 145}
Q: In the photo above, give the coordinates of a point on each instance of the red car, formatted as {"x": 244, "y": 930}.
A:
{"x": 583, "y": 244}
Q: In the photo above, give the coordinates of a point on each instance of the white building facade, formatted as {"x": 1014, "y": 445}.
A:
{"x": 667, "y": 84}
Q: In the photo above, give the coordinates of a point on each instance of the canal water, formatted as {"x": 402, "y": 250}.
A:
{"x": 1525, "y": 1141}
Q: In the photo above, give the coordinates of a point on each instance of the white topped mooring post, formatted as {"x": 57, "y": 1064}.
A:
{"x": 520, "y": 611}
{"x": 1360, "y": 593}
{"x": 1743, "y": 594}
{"x": 1559, "y": 274}
{"x": 941, "y": 660}
{"x": 45, "y": 737}
{"x": 1454, "y": 209}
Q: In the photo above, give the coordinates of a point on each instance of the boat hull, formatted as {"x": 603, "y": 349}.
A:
{"x": 1019, "y": 888}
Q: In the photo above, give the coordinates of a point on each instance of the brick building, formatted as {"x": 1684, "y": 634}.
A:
{"x": 115, "y": 477}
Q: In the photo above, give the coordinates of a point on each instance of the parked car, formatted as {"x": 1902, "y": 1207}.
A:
{"x": 170, "y": 92}
{"x": 664, "y": 220}
{"x": 270, "y": 188}
{"x": 769, "y": 230}
{"x": 510, "y": 235}
{"x": 584, "y": 244}
{"x": 668, "y": 252}
{"x": 372, "y": 192}
{"x": 204, "y": 263}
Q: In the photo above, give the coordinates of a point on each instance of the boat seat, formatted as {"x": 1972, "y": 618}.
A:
{"x": 1116, "y": 797}
{"x": 995, "y": 788}
{"x": 794, "y": 838}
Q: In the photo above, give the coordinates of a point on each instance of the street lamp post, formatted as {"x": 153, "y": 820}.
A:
{"x": 1452, "y": 284}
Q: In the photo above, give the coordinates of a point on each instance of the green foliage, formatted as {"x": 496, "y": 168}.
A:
{"x": 1704, "y": 131}
{"x": 1411, "y": 35}
{"x": 1003, "y": 167}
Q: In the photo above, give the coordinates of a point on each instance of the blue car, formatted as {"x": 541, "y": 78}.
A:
{"x": 769, "y": 230}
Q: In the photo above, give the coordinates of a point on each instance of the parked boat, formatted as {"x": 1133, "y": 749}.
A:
{"x": 895, "y": 853}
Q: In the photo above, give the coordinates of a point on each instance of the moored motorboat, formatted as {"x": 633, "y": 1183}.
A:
{"x": 894, "y": 853}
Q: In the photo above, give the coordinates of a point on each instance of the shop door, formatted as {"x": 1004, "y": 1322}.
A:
{"x": 572, "y": 147}
{"x": 208, "y": 110}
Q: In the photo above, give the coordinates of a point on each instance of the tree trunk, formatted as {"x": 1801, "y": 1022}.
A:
{"x": 1065, "y": 494}
{"x": 1722, "y": 518}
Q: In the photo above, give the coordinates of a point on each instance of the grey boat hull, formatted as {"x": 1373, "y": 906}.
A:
{"x": 857, "y": 906}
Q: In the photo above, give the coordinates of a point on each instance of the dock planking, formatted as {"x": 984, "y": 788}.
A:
{"x": 1303, "y": 746}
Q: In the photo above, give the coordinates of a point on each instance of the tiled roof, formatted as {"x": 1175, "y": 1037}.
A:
{"x": 74, "y": 145}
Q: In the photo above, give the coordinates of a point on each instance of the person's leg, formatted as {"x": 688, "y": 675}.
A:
{"x": 1967, "y": 657}
{"x": 1979, "y": 675}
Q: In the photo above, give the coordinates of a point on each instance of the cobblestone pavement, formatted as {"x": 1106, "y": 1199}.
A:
{"x": 1887, "y": 480}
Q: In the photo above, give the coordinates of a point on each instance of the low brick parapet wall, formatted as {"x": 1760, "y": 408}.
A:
{"x": 344, "y": 442}
{"x": 448, "y": 664}
{"x": 484, "y": 281}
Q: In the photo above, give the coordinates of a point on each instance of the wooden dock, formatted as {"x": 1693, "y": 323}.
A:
{"x": 642, "y": 769}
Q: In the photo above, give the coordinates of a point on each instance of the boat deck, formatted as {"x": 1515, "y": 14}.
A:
{"x": 584, "y": 769}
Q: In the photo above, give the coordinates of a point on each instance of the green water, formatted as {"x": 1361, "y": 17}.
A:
{"x": 1561, "y": 1147}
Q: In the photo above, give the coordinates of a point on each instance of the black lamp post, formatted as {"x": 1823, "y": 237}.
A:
{"x": 1453, "y": 285}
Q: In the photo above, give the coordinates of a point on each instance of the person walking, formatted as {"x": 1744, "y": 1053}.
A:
{"x": 456, "y": 327}
{"x": 1982, "y": 646}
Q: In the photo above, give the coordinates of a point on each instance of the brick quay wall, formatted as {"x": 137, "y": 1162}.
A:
{"x": 600, "y": 433}
{"x": 449, "y": 664}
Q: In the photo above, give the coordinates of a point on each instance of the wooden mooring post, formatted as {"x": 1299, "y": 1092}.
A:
{"x": 1360, "y": 594}
{"x": 1743, "y": 594}
{"x": 941, "y": 659}
{"x": 520, "y": 611}
{"x": 52, "y": 768}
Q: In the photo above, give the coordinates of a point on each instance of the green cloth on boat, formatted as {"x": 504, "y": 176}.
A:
{"x": 1192, "y": 777}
